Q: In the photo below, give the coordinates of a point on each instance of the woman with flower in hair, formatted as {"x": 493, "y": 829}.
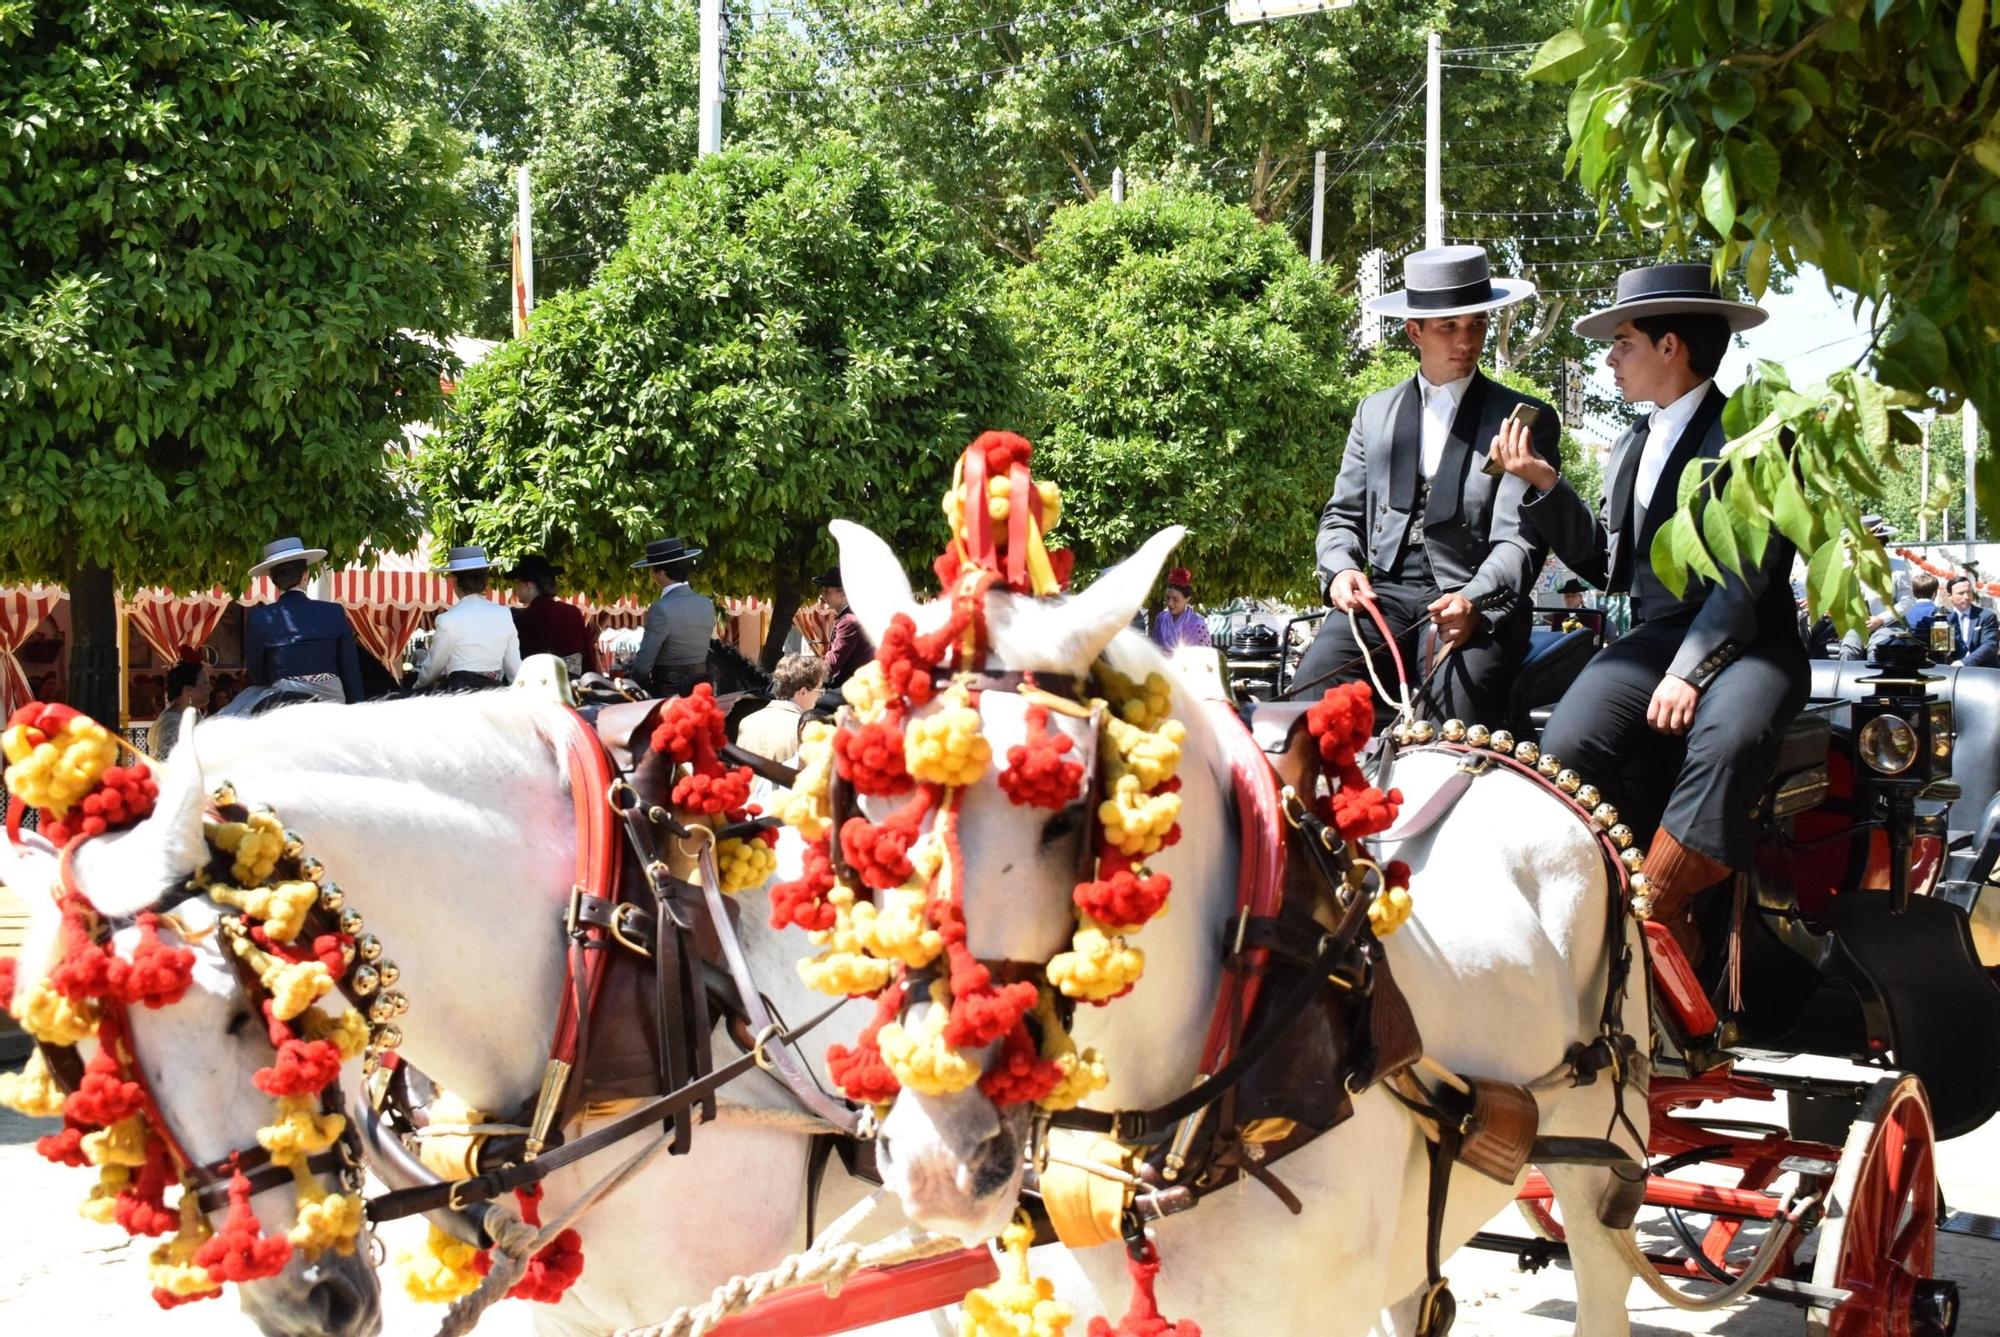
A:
{"x": 184, "y": 683}
{"x": 1177, "y": 624}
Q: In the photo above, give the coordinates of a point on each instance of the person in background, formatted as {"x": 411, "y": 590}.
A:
{"x": 545, "y": 624}
{"x": 848, "y": 650}
{"x": 184, "y": 683}
{"x": 774, "y": 731}
{"x": 673, "y": 654}
{"x": 475, "y": 645}
{"x": 1176, "y": 623}
{"x": 218, "y": 697}
{"x": 1975, "y": 632}
{"x": 298, "y": 644}
{"x": 1566, "y": 619}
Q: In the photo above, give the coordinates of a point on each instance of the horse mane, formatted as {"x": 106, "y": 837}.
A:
{"x": 736, "y": 671}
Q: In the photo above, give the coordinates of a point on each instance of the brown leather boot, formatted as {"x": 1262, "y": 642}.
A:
{"x": 1677, "y": 874}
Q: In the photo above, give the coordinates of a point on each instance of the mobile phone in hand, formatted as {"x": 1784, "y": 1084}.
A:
{"x": 1527, "y": 415}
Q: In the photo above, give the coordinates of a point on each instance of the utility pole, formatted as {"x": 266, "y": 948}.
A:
{"x": 1434, "y": 143}
{"x": 710, "y": 138}
{"x": 1118, "y": 185}
{"x": 1924, "y": 490}
{"x": 1319, "y": 204}
{"x": 1969, "y": 424}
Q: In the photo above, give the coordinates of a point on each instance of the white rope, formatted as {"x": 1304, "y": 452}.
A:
{"x": 1406, "y": 708}
{"x": 1761, "y": 1264}
{"x": 828, "y": 1263}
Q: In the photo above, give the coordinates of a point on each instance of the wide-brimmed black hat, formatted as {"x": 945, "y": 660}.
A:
{"x": 1572, "y": 586}
{"x": 1448, "y": 281}
{"x": 1669, "y": 290}
{"x": 534, "y": 567}
{"x": 829, "y": 579}
{"x": 665, "y": 552}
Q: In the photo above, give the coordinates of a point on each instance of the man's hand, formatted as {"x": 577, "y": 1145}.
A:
{"x": 1455, "y": 619}
{"x": 1672, "y": 707}
{"x": 1346, "y": 590}
{"x": 1514, "y": 447}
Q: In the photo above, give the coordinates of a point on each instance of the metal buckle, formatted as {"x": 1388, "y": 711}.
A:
{"x": 764, "y": 1037}
{"x": 621, "y": 786}
{"x": 452, "y": 1199}
{"x": 1242, "y": 929}
{"x": 1476, "y": 763}
{"x": 573, "y": 914}
{"x": 619, "y": 929}
{"x": 1294, "y": 807}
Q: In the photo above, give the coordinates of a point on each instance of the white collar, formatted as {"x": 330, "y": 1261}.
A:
{"x": 1453, "y": 391}
{"x": 1669, "y": 422}
{"x": 671, "y": 586}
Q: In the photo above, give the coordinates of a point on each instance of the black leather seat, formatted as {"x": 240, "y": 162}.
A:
{"x": 1554, "y": 659}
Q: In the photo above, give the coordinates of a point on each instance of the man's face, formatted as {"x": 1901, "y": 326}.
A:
{"x": 834, "y": 597}
{"x": 525, "y": 592}
{"x": 1641, "y": 367}
{"x": 1572, "y": 599}
{"x": 1961, "y": 595}
{"x": 1448, "y": 346}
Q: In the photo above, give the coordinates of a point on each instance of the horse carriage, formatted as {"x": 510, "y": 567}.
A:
{"x": 577, "y": 994}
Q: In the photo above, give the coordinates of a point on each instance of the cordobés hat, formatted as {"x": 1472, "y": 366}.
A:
{"x": 1448, "y": 281}
{"x": 534, "y": 567}
{"x": 1669, "y": 290}
{"x": 829, "y": 579}
{"x": 285, "y": 550}
{"x": 665, "y": 552}
{"x": 465, "y": 559}
{"x": 1572, "y": 586}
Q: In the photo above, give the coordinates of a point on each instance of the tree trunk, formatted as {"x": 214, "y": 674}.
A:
{"x": 783, "y": 605}
{"x": 93, "y": 644}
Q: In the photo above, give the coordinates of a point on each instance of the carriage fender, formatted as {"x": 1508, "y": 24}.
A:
{"x": 1983, "y": 902}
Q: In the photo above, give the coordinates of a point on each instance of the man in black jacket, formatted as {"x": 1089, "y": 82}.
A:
{"x": 1716, "y": 673}
{"x": 1416, "y": 523}
{"x": 1975, "y": 633}
{"x": 297, "y": 643}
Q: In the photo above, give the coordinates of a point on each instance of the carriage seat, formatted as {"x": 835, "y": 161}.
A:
{"x": 1554, "y": 659}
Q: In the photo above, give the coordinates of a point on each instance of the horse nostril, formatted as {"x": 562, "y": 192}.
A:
{"x": 336, "y": 1302}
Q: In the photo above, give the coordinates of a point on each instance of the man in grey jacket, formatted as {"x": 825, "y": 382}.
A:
{"x": 673, "y": 652}
{"x": 1713, "y": 675}
{"x": 1416, "y": 522}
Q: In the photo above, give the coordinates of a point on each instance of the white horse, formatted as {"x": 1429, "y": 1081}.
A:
{"x": 449, "y": 827}
{"x": 1503, "y": 966}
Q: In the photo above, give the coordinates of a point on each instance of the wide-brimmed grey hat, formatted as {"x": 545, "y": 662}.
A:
{"x": 285, "y": 550}
{"x": 665, "y": 552}
{"x": 1448, "y": 281}
{"x": 1669, "y": 290}
{"x": 465, "y": 559}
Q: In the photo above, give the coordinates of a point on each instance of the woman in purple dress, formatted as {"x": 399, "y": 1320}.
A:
{"x": 1177, "y": 624}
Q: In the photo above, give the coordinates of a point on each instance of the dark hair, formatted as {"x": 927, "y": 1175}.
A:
{"x": 470, "y": 582}
{"x": 678, "y": 571}
{"x": 794, "y": 674}
{"x": 287, "y": 575}
{"x": 1924, "y": 585}
{"x": 543, "y": 584}
{"x": 183, "y": 676}
{"x": 1705, "y": 337}
{"x": 1956, "y": 581}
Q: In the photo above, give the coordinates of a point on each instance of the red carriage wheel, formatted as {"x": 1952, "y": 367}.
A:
{"x": 1879, "y": 1240}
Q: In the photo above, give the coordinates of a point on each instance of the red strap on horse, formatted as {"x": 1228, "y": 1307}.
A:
{"x": 597, "y": 866}
{"x": 1260, "y": 879}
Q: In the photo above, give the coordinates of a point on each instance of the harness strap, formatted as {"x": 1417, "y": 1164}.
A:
{"x": 596, "y": 878}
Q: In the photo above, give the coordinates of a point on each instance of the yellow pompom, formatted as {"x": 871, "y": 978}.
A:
{"x": 441, "y": 1271}
{"x": 1389, "y": 910}
{"x": 1137, "y": 822}
{"x": 1082, "y": 1070}
{"x": 1152, "y": 756}
{"x": 300, "y": 1131}
{"x": 844, "y": 967}
{"x": 918, "y": 1055}
{"x": 999, "y": 508}
{"x": 171, "y": 1266}
{"x": 807, "y": 807}
{"x": 102, "y": 1204}
{"x": 58, "y": 771}
{"x": 866, "y": 692}
{"x": 296, "y": 986}
{"x": 54, "y": 1019}
{"x": 123, "y": 1143}
{"x": 324, "y": 1220}
{"x": 946, "y": 747}
{"x": 745, "y": 864}
{"x": 33, "y": 1090}
{"x": 283, "y": 907}
{"x": 1020, "y": 1304}
{"x": 1099, "y": 964}
{"x": 1051, "y": 504}
{"x": 896, "y": 928}
{"x": 347, "y": 1032}
{"x": 1146, "y": 704}
{"x": 256, "y": 843}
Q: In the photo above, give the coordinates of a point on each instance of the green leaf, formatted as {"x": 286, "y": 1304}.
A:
{"x": 1821, "y": 570}
{"x": 1718, "y": 197}
{"x": 1757, "y": 270}
{"x": 1666, "y": 556}
{"x": 1733, "y": 99}
{"x": 1561, "y": 58}
{"x": 1971, "y": 18}
{"x": 1720, "y": 536}
{"x": 1756, "y": 164}
{"x": 1798, "y": 110}
{"x": 1794, "y": 518}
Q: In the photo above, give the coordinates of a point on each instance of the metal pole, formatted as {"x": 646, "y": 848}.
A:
{"x": 711, "y": 77}
{"x": 1319, "y": 203}
{"x": 524, "y": 227}
{"x": 1118, "y": 185}
{"x": 1969, "y": 424}
{"x": 1434, "y": 144}
{"x": 1924, "y": 490}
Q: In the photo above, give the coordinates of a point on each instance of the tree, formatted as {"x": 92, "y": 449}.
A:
{"x": 781, "y": 341}
{"x": 1185, "y": 362}
{"x": 226, "y": 266}
{"x": 1855, "y": 135}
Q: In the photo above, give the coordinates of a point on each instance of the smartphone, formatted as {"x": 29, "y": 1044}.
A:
{"x": 1527, "y": 415}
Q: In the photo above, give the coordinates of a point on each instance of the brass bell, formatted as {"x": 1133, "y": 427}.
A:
{"x": 1568, "y": 781}
{"x": 1634, "y": 860}
{"x": 1588, "y": 796}
{"x": 1548, "y": 765}
{"x": 331, "y": 898}
{"x": 1502, "y": 742}
{"x": 1642, "y": 895}
{"x": 263, "y": 810}
{"x": 223, "y": 795}
{"x": 1604, "y": 814}
{"x": 1454, "y": 731}
{"x": 311, "y": 869}
{"x": 1423, "y": 731}
{"x": 401, "y": 1003}
{"x": 1401, "y": 733}
{"x": 383, "y": 1010}
{"x": 1528, "y": 752}
{"x": 368, "y": 947}
{"x": 388, "y": 1037}
{"x": 350, "y": 921}
{"x": 366, "y": 979}
{"x": 1478, "y": 735}
{"x": 389, "y": 972}
{"x": 1621, "y": 836}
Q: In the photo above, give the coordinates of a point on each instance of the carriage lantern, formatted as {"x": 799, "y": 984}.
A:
{"x": 1902, "y": 741}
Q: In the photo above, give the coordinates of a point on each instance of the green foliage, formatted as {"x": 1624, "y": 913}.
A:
{"x": 1185, "y": 362}
{"x": 220, "y": 256}
{"x": 781, "y": 341}
{"x": 1860, "y": 136}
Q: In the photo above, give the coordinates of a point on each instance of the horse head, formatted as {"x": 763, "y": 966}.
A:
{"x": 197, "y": 1056}
{"x": 1013, "y": 843}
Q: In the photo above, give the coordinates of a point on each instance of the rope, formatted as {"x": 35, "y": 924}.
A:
{"x": 828, "y": 1263}
{"x": 1406, "y": 709}
{"x": 1765, "y": 1259}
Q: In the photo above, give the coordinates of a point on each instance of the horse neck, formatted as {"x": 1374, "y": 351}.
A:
{"x": 447, "y": 826}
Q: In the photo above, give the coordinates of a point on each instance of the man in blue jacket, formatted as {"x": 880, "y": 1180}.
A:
{"x": 298, "y": 643}
{"x": 1975, "y": 634}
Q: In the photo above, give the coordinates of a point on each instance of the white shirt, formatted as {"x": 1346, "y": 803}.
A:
{"x": 1440, "y": 407}
{"x": 474, "y": 635}
{"x": 1663, "y": 429}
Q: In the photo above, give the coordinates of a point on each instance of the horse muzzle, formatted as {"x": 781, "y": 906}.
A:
{"x": 954, "y": 1161}
{"x": 334, "y": 1297}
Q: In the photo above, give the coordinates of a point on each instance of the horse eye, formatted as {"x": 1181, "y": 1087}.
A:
{"x": 237, "y": 1023}
{"x": 1065, "y": 823}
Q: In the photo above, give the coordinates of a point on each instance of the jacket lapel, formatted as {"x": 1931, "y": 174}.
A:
{"x": 1623, "y": 472}
{"x": 1406, "y": 444}
{"x": 1448, "y": 487}
{"x": 1693, "y": 444}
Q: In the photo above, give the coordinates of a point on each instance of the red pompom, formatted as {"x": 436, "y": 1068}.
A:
{"x": 879, "y": 853}
{"x": 104, "y": 1096}
{"x": 1124, "y": 900}
{"x": 552, "y": 1271}
{"x": 302, "y": 1068}
{"x": 65, "y": 1147}
{"x": 1397, "y": 874}
{"x": 870, "y": 757}
{"x": 861, "y": 1071}
{"x": 1020, "y": 1074}
{"x": 157, "y": 975}
{"x": 1039, "y": 773}
{"x": 713, "y": 794}
{"x": 85, "y": 969}
{"x": 803, "y": 901}
{"x": 691, "y": 727}
{"x": 1003, "y": 450}
{"x": 1341, "y": 722}
{"x": 906, "y": 669}
{"x": 1142, "y": 1318}
{"x": 330, "y": 950}
{"x": 1357, "y": 809}
{"x": 980, "y": 1012}
{"x": 166, "y": 1299}
{"x": 9, "y": 981}
{"x": 241, "y": 1251}
{"x": 142, "y": 1205}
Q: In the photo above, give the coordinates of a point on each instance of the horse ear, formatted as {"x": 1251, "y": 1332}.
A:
{"x": 872, "y": 577}
{"x": 177, "y": 812}
{"x": 1100, "y": 612}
